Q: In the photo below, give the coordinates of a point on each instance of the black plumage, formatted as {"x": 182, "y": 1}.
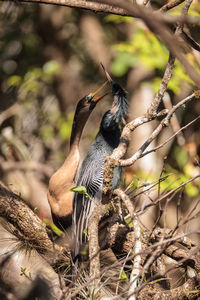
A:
{"x": 91, "y": 171}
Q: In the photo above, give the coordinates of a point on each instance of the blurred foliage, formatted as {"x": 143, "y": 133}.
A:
{"x": 145, "y": 49}
{"x": 152, "y": 54}
{"x": 34, "y": 78}
{"x": 118, "y": 19}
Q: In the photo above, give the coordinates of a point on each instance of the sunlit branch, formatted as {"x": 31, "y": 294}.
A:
{"x": 155, "y": 133}
{"x": 168, "y": 194}
{"x": 170, "y": 138}
{"x": 163, "y": 86}
{"x": 170, "y": 5}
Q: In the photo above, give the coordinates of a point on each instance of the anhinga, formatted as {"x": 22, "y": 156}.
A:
{"x": 91, "y": 172}
{"x": 59, "y": 195}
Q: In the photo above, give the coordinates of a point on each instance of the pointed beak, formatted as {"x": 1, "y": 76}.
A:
{"x": 107, "y": 74}
{"x": 97, "y": 91}
{"x": 99, "y": 98}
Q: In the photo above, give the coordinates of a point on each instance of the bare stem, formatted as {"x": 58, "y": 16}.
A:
{"x": 155, "y": 133}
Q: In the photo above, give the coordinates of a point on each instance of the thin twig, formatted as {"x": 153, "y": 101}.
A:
{"x": 163, "y": 86}
{"x": 169, "y": 193}
{"x": 190, "y": 41}
{"x": 170, "y": 5}
{"x": 9, "y": 112}
{"x": 170, "y": 138}
{"x": 174, "y": 120}
{"x": 136, "y": 270}
{"x": 164, "y": 123}
{"x": 114, "y": 8}
{"x": 94, "y": 249}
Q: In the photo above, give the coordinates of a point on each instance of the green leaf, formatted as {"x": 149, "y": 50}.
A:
{"x": 55, "y": 229}
{"x": 23, "y": 271}
{"x": 80, "y": 189}
{"x": 85, "y": 232}
{"x": 123, "y": 275}
{"x": 35, "y": 73}
{"x": 30, "y": 86}
{"x": 129, "y": 222}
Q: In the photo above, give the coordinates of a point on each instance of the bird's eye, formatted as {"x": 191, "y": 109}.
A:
{"x": 89, "y": 98}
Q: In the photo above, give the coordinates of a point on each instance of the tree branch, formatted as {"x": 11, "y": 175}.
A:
{"x": 88, "y": 5}
{"x": 163, "y": 86}
{"x": 170, "y": 5}
{"x": 113, "y": 8}
{"x": 94, "y": 249}
{"x": 119, "y": 152}
{"x": 27, "y": 226}
{"x": 163, "y": 123}
{"x": 170, "y": 138}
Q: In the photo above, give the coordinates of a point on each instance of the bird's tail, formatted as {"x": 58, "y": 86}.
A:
{"x": 80, "y": 224}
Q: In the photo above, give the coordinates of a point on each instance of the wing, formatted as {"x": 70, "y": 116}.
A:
{"x": 90, "y": 176}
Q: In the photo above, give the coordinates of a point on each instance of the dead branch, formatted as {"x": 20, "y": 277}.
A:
{"x": 163, "y": 123}
{"x": 9, "y": 112}
{"x": 126, "y": 200}
{"x": 136, "y": 270}
{"x": 28, "y": 227}
{"x": 190, "y": 41}
{"x": 174, "y": 120}
{"x": 163, "y": 86}
{"x": 94, "y": 247}
{"x": 88, "y": 5}
{"x": 170, "y": 5}
{"x": 155, "y": 291}
{"x": 114, "y": 8}
{"x": 120, "y": 151}
{"x": 171, "y": 137}
{"x": 172, "y": 191}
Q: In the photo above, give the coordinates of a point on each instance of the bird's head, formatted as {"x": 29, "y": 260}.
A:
{"x": 92, "y": 100}
{"x": 88, "y": 103}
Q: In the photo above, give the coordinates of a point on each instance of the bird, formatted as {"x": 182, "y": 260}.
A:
{"x": 59, "y": 195}
{"x": 91, "y": 171}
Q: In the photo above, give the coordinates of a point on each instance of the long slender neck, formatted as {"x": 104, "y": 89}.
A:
{"x": 110, "y": 124}
{"x": 77, "y": 128}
